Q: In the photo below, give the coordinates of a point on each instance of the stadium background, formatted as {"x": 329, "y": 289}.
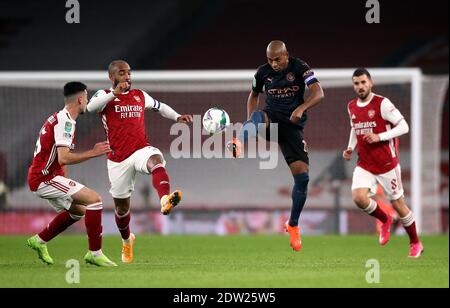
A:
{"x": 222, "y": 196}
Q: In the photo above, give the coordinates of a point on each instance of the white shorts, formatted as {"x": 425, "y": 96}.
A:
{"x": 391, "y": 182}
{"x": 58, "y": 192}
{"x": 122, "y": 176}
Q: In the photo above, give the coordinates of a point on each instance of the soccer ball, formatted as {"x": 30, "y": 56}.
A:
{"x": 215, "y": 120}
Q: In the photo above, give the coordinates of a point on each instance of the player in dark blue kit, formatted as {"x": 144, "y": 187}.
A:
{"x": 284, "y": 79}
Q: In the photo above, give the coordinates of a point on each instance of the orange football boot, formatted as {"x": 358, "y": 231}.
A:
{"x": 168, "y": 202}
{"x": 294, "y": 236}
{"x": 127, "y": 249}
{"x": 235, "y": 146}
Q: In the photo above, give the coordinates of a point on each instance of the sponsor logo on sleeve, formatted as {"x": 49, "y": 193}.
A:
{"x": 68, "y": 127}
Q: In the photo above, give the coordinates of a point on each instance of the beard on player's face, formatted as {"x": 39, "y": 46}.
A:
{"x": 363, "y": 93}
{"x": 116, "y": 82}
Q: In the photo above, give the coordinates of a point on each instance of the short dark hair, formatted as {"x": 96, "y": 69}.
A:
{"x": 361, "y": 71}
{"x": 73, "y": 87}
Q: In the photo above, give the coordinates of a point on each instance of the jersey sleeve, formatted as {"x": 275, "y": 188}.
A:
{"x": 307, "y": 74}
{"x": 258, "y": 84}
{"x": 150, "y": 102}
{"x": 390, "y": 113}
{"x": 64, "y": 132}
{"x": 99, "y": 101}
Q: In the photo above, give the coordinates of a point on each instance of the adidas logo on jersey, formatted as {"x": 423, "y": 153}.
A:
{"x": 117, "y": 100}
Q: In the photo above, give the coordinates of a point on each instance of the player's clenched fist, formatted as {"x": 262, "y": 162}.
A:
{"x": 101, "y": 148}
{"x": 121, "y": 88}
{"x": 186, "y": 118}
{"x": 347, "y": 154}
{"x": 371, "y": 138}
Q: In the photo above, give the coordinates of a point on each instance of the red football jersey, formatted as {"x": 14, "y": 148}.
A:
{"x": 124, "y": 122}
{"x": 377, "y": 116}
{"x": 58, "y": 130}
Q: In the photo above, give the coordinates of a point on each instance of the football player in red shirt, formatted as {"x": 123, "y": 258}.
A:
{"x": 376, "y": 123}
{"x": 122, "y": 110}
{"x": 46, "y": 178}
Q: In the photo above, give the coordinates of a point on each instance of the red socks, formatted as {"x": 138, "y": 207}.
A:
{"x": 93, "y": 222}
{"x": 60, "y": 223}
{"x": 160, "y": 180}
{"x": 374, "y": 210}
{"x": 409, "y": 224}
{"x": 123, "y": 223}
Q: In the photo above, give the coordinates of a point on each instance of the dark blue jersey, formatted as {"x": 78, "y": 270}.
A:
{"x": 284, "y": 90}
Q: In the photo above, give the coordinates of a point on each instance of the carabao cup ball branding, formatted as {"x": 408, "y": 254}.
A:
{"x": 215, "y": 120}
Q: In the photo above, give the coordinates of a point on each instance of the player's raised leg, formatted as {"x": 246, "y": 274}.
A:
{"x": 161, "y": 182}
{"x": 407, "y": 219}
{"x": 248, "y": 130}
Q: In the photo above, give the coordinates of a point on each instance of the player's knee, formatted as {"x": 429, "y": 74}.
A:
{"x": 258, "y": 117}
{"x": 400, "y": 205}
{"x": 153, "y": 161}
{"x": 95, "y": 198}
{"x": 299, "y": 167}
{"x": 122, "y": 206}
{"x": 360, "y": 200}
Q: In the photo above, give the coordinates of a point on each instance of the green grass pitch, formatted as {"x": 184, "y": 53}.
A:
{"x": 247, "y": 261}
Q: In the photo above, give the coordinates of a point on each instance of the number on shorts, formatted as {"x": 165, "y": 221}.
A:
{"x": 394, "y": 184}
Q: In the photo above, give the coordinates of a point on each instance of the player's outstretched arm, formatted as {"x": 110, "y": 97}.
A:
{"x": 165, "y": 110}
{"x": 314, "y": 99}
{"x": 66, "y": 157}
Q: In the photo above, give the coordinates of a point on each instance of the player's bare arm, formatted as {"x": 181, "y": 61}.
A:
{"x": 252, "y": 103}
{"x": 314, "y": 99}
{"x": 66, "y": 157}
{"x": 347, "y": 154}
{"x": 185, "y": 118}
{"x": 372, "y": 138}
